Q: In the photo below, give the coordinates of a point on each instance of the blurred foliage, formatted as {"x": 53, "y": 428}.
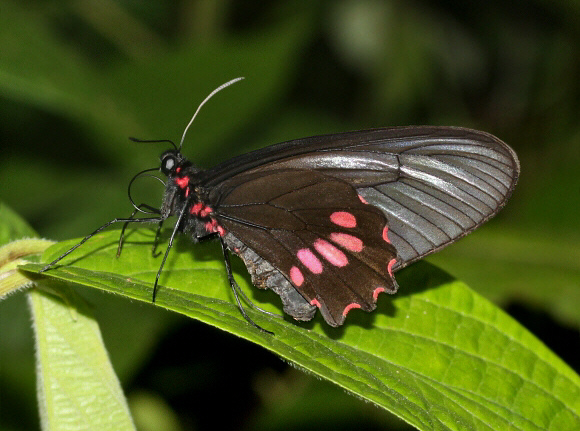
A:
{"x": 78, "y": 77}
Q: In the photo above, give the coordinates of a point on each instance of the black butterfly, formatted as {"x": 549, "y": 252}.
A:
{"x": 325, "y": 221}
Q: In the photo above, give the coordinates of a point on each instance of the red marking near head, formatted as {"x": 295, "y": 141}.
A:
{"x": 386, "y": 234}
{"x": 296, "y": 276}
{"x": 363, "y": 200}
{"x": 343, "y": 218}
{"x": 350, "y": 242}
{"x": 182, "y": 182}
{"x": 309, "y": 260}
{"x": 178, "y": 169}
{"x": 350, "y": 307}
{"x": 377, "y": 291}
{"x": 315, "y": 302}
{"x": 195, "y": 209}
{"x": 390, "y": 266}
{"x": 330, "y": 253}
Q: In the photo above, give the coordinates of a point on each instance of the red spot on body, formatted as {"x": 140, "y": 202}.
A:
{"x": 386, "y": 234}
{"x": 296, "y": 276}
{"x": 330, "y": 253}
{"x": 363, "y": 200}
{"x": 220, "y": 230}
{"x": 309, "y": 260}
{"x": 213, "y": 226}
{"x": 182, "y": 182}
{"x": 350, "y": 307}
{"x": 205, "y": 211}
{"x": 377, "y": 291}
{"x": 195, "y": 209}
{"x": 187, "y": 192}
{"x": 343, "y": 218}
{"x": 178, "y": 169}
{"x": 315, "y": 302}
{"x": 390, "y": 266}
{"x": 350, "y": 242}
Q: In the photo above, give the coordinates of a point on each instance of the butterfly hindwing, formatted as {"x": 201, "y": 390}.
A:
{"x": 316, "y": 231}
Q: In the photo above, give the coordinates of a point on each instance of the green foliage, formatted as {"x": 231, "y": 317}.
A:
{"x": 76, "y": 384}
{"x": 438, "y": 355}
{"x": 77, "y": 387}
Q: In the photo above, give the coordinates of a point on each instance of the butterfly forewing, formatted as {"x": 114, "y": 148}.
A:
{"x": 434, "y": 184}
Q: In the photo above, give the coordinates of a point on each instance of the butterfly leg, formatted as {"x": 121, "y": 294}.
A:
{"x": 89, "y": 236}
{"x": 236, "y": 289}
{"x": 175, "y": 230}
{"x": 225, "y": 250}
{"x": 132, "y": 217}
{"x": 156, "y": 240}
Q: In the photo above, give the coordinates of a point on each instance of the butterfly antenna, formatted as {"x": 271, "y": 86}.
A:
{"x": 221, "y": 87}
{"x": 154, "y": 141}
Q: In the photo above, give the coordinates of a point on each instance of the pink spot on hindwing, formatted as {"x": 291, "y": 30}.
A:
{"x": 343, "y": 218}
{"x": 350, "y": 242}
{"x": 330, "y": 253}
{"x": 377, "y": 291}
{"x": 315, "y": 302}
{"x": 309, "y": 260}
{"x": 350, "y": 307}
{"x": 363, "y": 200}
{"x": 386, "y": 234}
{"x": 296, "y": 276}
{"x": 390, "y": 266}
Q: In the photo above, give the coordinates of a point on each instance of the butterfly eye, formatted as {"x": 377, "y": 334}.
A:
{"x": 168, "y": 163}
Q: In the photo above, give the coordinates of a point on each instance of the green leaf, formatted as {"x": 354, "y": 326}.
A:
{"x": 436, "y": 354}
{"x": 77, "y": 387}
{"x": 507, "y": 264}
{"x": 15, "y": 251}
{"x": 15, "y": 254}
{"x": 76, "y": 384}
{"x": 12, "y": 226}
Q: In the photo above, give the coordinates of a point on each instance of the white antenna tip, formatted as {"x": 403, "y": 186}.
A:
{"x": 221, "y": 87}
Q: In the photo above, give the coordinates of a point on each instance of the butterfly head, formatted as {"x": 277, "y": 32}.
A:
{"x": 172, "y": 162}
{"x": 180, "y": 185}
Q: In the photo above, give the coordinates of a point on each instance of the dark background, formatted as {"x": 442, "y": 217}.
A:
{"x": 78, "y": 77}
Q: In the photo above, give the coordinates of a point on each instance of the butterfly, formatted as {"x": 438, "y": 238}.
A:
{"x": 325, "y": 221}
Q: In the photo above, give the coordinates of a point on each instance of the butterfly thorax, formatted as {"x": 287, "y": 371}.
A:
{"x": 184, "y": 193}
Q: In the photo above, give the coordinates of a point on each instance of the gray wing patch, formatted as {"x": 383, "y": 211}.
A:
{"x": 446, "y": 187}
